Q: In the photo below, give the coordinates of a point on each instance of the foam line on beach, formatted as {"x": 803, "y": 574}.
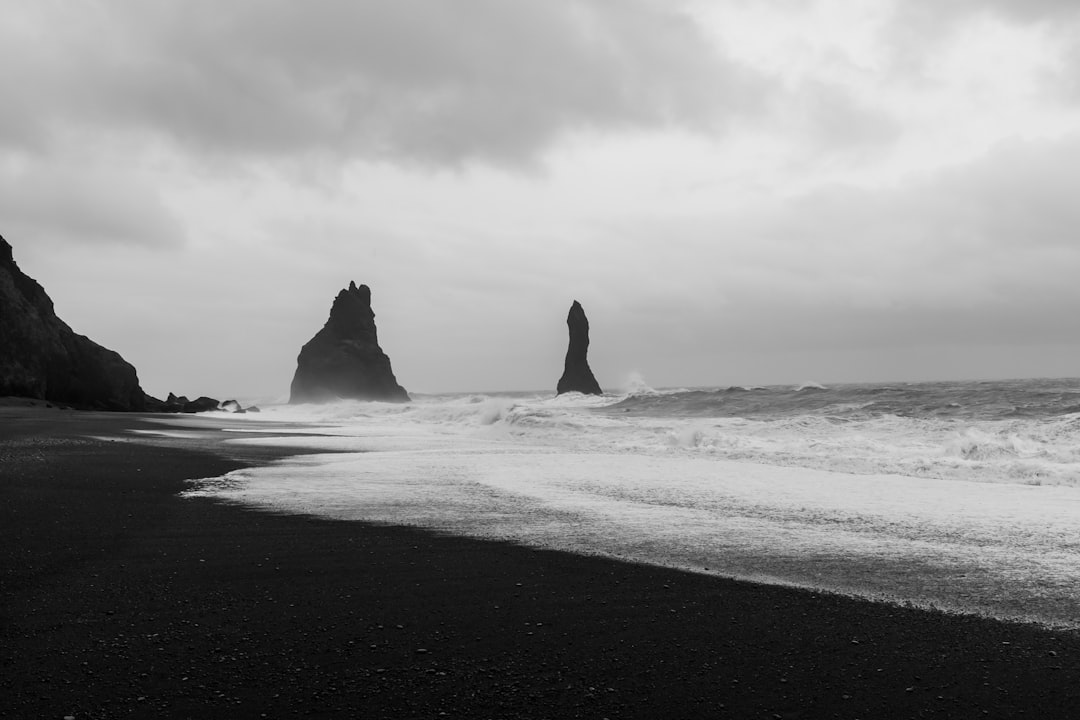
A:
{"x": 1001, "y": 550}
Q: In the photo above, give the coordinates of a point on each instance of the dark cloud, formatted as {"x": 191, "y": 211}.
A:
{"x": 422, "y": 79}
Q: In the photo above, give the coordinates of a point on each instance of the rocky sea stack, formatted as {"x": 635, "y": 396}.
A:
{"x": 577, "y": 377}
{"x": 41, "y": 357}
{"x": 344, "y": 359}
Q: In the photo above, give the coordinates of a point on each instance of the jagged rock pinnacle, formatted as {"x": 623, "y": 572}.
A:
{"x": 344, "y": 359}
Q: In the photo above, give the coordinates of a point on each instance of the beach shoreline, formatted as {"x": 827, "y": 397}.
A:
{"x": 120, "y": 598}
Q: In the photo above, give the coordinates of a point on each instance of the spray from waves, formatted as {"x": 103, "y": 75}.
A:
{"x": 494, "y": 409}
{"x": 338, "y": 411}
{"x": 634, "y": 385}
{"x": 688, "y": 436}
{"x": 979, "y": 445}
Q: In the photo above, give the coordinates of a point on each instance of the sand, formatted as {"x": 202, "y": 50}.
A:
{"x": 119, "y": 598}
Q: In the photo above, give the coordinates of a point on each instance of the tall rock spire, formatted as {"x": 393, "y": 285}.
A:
{"x": 577, "y": 377}
{"x": 344, "y": 359}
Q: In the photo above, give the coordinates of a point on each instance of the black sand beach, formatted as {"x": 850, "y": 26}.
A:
{"x": 118, "y": 598}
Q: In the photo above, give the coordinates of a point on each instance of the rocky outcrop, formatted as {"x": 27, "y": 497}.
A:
{"x": 201, "y": 404}
{"x": 344, "y": 359}
{"x": 231, "y": 406}
{"x": 171, "y": 404}
{"x": 41, "y": 357}
{"x": 181, "y": 404}
{"x": 577, "y": 377}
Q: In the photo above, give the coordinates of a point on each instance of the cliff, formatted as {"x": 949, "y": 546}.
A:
{"x": 41, "y": 357}
{"x": 344, "y": 359}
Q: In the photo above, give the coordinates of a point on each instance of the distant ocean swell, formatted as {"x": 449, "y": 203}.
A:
{"x": 997, "y": 400}
{"x": 1025, "y": 431}
{"x": 1022, "y": 431}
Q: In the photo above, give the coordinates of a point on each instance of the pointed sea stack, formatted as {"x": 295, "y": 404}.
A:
{"x": 344, "y": 359}
{"x": 577, "y": 377}
{"x": 41, "y": 357}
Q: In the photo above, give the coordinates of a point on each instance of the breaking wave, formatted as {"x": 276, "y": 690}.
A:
{"x": 1025, "y": 431}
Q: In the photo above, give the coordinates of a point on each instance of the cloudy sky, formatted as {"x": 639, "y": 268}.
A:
{"x": 737, "y": 191}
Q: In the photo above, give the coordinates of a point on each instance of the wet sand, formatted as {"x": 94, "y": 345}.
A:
{"x": 118, "y": 598}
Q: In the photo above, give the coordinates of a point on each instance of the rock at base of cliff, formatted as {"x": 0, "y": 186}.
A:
{"x": 231, "y": 406}
{"x": 181, "y": 404}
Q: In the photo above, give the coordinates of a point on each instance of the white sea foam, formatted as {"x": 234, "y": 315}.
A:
{"x": 935, "y": 511}
{"x": 634, "y": 384}
{"x": 1035, "y": 451}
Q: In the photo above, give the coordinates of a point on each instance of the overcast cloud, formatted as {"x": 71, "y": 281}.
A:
{"x": 419, "y": 80}
{"x": 737, "y": 192}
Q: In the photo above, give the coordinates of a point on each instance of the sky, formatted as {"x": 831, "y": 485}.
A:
{"x": 738, "y": 192}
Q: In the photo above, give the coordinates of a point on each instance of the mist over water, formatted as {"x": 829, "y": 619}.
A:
{"x": 958, "y": 495}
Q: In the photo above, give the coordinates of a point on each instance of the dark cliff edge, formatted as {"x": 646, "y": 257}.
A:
{"x": 344, "y": 359}
{"x": 41, "y": 357}
{"x": 577, "y": 377}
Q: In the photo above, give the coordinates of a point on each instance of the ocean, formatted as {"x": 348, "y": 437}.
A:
{"x": 962, "y": 496}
